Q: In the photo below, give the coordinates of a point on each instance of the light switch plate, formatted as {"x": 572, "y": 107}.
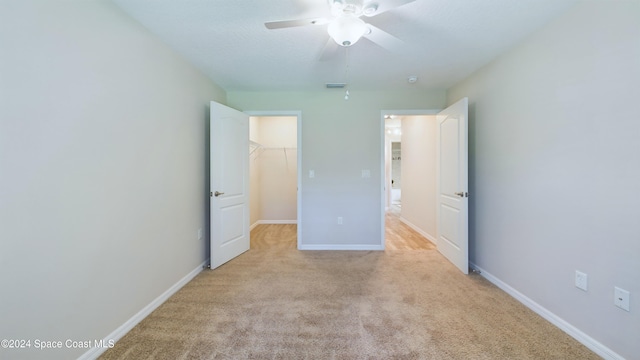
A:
{"x": 582, "y": 281}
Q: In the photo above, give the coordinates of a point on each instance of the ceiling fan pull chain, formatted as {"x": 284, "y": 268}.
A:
{"x": 346, "y": 74}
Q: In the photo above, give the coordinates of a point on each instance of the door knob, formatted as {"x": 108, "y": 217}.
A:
{"x": 218, "y": 193}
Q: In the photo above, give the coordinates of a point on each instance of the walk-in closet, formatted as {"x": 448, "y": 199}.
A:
{"x": 273, "y": 169}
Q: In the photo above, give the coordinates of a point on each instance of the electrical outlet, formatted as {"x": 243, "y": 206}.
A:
{"x": 366, "y": 174}
{"x": 339, "y": 220}
{"x": 199, "y": 233}
{"x": 582, "y": 280}
{"x": 621, "y": 298}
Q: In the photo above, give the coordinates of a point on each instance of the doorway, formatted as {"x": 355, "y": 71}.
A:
{"x": 410, "y": 180}
{"x": 274, "y": 179}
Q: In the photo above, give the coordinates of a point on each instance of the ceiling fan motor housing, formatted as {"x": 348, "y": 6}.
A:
{"x": 353, "y": 7}
{"x": 345, "y": 25}
{"x": 347, "y": 29}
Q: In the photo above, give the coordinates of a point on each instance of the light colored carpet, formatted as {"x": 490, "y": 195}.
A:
{"x": 280, "y": 303}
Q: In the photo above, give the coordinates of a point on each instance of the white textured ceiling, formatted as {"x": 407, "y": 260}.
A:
{"x": 446, "y": 40}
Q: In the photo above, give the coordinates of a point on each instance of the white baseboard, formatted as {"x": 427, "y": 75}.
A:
{"x": 419, "y": 231}
{"x": 277, "y": 221}
{"x": 121, "y": 331}
{"x": 260, "y": 222}
{"x": 574, "y": 332}
{"x": 340, "y": 247}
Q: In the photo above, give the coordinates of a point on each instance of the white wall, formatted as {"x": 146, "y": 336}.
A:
{"x": 276, "y": 166}
{"x": 103, "y": 171}
{"x": 555, "y": 165}
{"x": 419, "y": 173}
{"x": 340, "y": 139}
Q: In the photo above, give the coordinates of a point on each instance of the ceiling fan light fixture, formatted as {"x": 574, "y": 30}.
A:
{"x": 347, "y": 29}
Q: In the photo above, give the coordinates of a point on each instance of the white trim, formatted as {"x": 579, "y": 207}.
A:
{"x": 340, "y": 247}
{"x": 299, "y": 156}
{"x": 272, "y": 222}
{"x": 383, "y": 181}
{"x": 418, "y": 230}
{"x": 563, "y": 325}
{"x": 276, "y": 222}
{"x": 121, "y": 331}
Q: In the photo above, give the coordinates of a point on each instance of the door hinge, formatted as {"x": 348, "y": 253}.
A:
{"x": 211, "y": 194}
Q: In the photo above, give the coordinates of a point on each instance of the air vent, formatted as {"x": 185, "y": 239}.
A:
{"x": 336, "y": 85}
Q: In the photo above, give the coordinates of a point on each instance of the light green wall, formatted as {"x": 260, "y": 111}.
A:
{"x": 103, "y": 171}
{"x": 340, "y": 139}
{"x": 555, "y": 161}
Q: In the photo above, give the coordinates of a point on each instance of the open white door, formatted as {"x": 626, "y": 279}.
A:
{"x": 453, "y": 196}
{"x": 229, "y": 183}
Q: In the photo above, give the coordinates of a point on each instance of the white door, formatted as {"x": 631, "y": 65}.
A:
{"x": 229, "y": 183}
{"x": 453, "y": 196}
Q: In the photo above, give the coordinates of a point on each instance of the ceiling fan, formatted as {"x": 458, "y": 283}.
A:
{"x": 346, "y": 27}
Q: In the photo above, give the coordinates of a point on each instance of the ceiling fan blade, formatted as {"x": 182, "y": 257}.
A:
{"x": 329, "y": 50}
{"x": 378, "y": 7}
{"x": 294, "y": 23}
{"x": 385, "y": 40}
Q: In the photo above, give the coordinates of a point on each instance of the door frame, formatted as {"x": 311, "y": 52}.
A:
{"x": 298, "y": 115}
{"x": 383, "y": 177}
